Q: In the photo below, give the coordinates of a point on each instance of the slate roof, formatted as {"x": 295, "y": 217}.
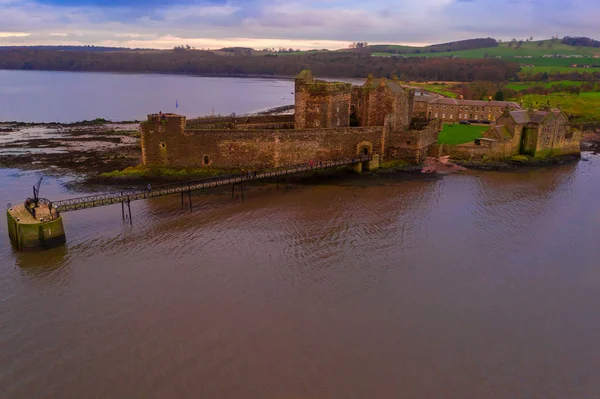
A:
{"x": 498, "y": 132}
{"x": 424, "y": 98}
{"x": 520, "y": 116}
{"x": 538, "y": 116}
{"x": 489, "y": 103}
{"x": 444, "y": 101}
{"x": 453, "y": 101}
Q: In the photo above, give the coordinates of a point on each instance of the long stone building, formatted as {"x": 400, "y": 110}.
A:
{"x": 456, "y": 110}
{"x": 332, "y": 120}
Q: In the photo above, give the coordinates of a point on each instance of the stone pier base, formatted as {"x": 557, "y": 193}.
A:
{"x": 357, "y": 167}
{"x": 26, "y": 232}
{"x": 373, "y": 164}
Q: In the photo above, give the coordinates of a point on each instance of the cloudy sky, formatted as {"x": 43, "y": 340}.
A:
{"x": 288, "y": 23}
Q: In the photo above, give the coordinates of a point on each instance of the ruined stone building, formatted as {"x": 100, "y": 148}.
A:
{"x": 456, "y": 110}
{"x": 536, "y": 133}
{"x": 332, "y": 120}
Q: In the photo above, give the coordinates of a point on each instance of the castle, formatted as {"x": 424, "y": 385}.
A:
{"x": 332, "y": 120}
{"x": 337, "y": 120}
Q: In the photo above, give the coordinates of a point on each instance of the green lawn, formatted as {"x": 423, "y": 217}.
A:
{"x": 459, "y": 134}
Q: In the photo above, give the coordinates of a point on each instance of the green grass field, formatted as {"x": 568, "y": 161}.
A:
{"x": 525, "y": 85}
{"x": 585, "y": 107}
{"x": 550, "y": 70}
{"x": 459, "y": 134}
{"x": 527, "y": 49}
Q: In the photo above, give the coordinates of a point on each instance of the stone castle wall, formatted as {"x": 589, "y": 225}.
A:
{"x": 242, "y": 122}
{"x": 318, "y": 130}
{"x": 412, "y": 145}
{"x": 255, "y": 149}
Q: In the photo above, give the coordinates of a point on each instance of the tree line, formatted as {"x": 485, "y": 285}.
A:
{"x": 206, "y": 63}
{"x": 580, "y": 41}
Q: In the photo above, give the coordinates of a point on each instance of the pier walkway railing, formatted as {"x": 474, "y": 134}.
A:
{"x": 93, "y": 201}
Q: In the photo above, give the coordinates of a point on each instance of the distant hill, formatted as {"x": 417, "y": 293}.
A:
{"x": 209, "y": 63}
{"x": 86, "y": 49}
{"x": 552, "y": 56}
{"x": 470, "y": 44}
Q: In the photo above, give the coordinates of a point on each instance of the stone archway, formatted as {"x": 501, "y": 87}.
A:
{"x": 364, "y": 148}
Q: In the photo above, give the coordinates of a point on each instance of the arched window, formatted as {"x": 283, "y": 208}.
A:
{"x": 162, "y": 145}
{"x": 206, "y": 160}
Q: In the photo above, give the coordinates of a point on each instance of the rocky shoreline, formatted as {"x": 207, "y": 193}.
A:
{"x": 87, "y": 148}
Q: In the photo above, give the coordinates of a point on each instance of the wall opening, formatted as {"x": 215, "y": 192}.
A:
{"x": 206, "y": 160}
{"x": 354, "y": 119}
{"x": 162, "y": 145}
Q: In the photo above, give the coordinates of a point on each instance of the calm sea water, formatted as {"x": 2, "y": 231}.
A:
{"x": 41, "y": 96}
{"x": 476, "y": 285}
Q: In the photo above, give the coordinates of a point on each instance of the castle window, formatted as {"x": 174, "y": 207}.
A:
{"x": 444, "y": 115}
{"x": 451, "y": 116}
{"x": 206, "y": 160}
{"x": 316, "y": 123}
{"x": 162, "y": 145}
{"x": 408, "y": 142}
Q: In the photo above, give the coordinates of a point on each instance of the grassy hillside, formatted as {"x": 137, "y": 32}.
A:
{"x": 582, "y": 108}
{"x": 534, "y": 49}
{"x": 525, "y": 85}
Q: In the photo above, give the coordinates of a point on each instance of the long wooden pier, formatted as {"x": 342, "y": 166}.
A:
{"x": 183, "y": 188}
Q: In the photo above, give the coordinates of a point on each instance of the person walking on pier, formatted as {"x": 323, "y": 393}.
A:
{"x": 149, "y": 187}
{"x": 255, "y": 174}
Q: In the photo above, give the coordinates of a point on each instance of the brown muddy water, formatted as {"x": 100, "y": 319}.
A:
{"x": 475, "y": 285}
